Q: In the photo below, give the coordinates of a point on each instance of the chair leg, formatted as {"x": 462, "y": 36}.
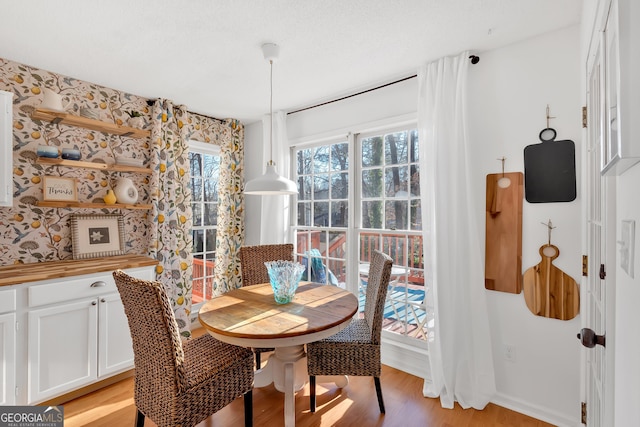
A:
{"x": 379, "y": 393}
{"x": 258, "y": 360}
{"x": 312, "y": 392}
{"x": 139, "y": 419}
{"x": 248, "y": 408}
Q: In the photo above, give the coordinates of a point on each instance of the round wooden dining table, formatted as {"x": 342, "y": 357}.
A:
{"x": 250, "y": 317}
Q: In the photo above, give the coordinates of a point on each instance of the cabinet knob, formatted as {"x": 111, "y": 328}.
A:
{"x": 103, "y": 300}
{"x": 93, "y": 303}
{"x": 98, "y": 284}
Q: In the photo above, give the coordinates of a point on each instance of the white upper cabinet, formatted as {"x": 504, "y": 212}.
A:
{"x": 6, "y": 149}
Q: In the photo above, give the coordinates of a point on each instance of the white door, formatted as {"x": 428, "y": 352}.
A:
{"x": 114, "y": 338}
{"x": 597, "y": 333}
{"x": 62, "y": 348}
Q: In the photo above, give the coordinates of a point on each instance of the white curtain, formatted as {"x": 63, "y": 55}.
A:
{"x": 460, "y": 357}
{"x": 274, "y": 226}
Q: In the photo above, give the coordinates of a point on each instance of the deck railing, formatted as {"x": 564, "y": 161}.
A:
{"x": 202, "y": 280}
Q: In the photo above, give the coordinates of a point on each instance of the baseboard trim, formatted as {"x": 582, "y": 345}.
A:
{"x": 405, "y": 357}
{"x": 535, "y": 411}
{"x": 64, "y": 398}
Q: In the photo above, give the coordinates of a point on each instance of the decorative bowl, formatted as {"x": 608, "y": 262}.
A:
{"x": 47, "y": 151}
{"x": 71, "y": 154}
{"x": 284, "y": 277}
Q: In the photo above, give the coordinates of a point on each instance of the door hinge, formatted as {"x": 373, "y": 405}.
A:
{"x": 585, "y": 265}
{"x": 603, "y": 273}
{"x": 584, "y": 117}
{"x": 583, "y": 412}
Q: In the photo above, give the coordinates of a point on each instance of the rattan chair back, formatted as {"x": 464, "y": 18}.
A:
{"x": 179, "y": 383}
{"x": 376, "y": 293}
{"x": 252, "y": 259}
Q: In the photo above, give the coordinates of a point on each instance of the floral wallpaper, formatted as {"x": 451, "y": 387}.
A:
{"x": 29, "y": 233}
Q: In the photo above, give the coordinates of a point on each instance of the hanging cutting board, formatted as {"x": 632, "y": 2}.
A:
{"x": 548, "y": 291}
{"x": 550, "y": 170}
{"x": 503, "y": 239}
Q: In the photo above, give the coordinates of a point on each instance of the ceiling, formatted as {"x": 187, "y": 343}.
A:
{"x": 207, "y": 54}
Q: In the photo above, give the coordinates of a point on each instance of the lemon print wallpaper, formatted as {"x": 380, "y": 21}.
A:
{"x": 31, "y": 233}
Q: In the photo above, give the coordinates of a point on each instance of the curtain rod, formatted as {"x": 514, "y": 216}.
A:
{"x": 353, "y": 94}
{"x": 473, "y": 58}
{"x": 150, "y": 103}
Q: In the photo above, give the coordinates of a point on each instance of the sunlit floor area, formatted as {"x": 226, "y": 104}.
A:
{"x": 354, "y": 405}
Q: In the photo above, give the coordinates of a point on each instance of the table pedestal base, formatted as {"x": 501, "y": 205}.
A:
{"x": 287, "y": 370}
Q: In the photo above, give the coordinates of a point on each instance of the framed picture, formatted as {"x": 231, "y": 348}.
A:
{"x": 58, "y": 188}
{"x": 95, "y": 236}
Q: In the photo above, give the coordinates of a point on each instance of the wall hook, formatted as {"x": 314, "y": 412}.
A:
{"x": 550, "y": 227}
{"x": 547, "y": 134}
{"x": 503, "y": 182}
{"x": 502, "y": 159}
{"x": 548, "y": 116}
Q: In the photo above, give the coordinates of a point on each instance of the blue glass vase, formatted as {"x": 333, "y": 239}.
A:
{"x": 284, "y": 277}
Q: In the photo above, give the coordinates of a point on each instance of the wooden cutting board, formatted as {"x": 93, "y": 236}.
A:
{"x": 503, "y": 228}
{"x": 548, "y": 291}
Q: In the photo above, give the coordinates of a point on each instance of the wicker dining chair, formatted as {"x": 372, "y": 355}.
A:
{"x": 355, "y": 350}
{"x": 179, "y": 383}
{"x": 253, "y": 270}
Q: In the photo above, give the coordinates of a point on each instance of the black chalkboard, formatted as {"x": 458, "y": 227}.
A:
{"x": 550, "y": 170}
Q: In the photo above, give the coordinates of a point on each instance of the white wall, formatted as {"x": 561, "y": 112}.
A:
{"x": 509, "y": 91}
{"x": 627, "y": 314}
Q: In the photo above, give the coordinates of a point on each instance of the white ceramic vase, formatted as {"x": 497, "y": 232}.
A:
{"x": 126, "y": 191}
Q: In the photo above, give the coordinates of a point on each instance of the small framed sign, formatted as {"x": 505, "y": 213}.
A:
{"x": 95, "y": 236}
{"x": 58, "y": 188}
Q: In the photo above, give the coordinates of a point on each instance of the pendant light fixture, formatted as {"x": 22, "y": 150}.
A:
{"x": 270, "y": 183}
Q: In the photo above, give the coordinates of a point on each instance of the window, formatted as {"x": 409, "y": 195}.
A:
{"x": 382, "y": 189}
{"x": 323, "y": 190}
{"x": 390, "y": 221}
{"x": 204, "y": 161}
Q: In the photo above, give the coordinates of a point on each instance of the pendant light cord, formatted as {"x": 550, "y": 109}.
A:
{"x": 271, "y": 113}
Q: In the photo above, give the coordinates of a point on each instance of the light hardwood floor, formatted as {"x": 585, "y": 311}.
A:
{"x": 355, "y": 405}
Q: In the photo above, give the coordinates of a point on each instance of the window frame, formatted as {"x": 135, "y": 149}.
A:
{"x": 203, "y": 148}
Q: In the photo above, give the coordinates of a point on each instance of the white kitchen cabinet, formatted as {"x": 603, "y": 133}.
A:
{"x": 63, "y": 346}
{"x": 77, "y": 334}
{"x": 7, "y": 347}
{"x": 117, "y": 352}
{"x": 6, "y": 148}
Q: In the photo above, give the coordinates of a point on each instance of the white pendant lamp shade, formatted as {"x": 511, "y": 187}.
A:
{"x": 270, "y": 183}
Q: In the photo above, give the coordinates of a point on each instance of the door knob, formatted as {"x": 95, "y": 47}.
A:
{"x": 589, "y": 339}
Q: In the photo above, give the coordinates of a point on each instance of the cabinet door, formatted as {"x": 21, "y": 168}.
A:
{"x": 6, "y": 149}
{"x": 8, "y": 362}
{"x": 116, "y": 351}
{"x": 62, "y": 348}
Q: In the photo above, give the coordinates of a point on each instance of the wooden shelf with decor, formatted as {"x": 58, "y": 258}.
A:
{"x": 93, "y": 165}
{"x": 70, "y": 204}
{"x": 56, "y": 117}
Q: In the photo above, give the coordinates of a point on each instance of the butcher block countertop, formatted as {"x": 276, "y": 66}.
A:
{"x": 21, "y": 273}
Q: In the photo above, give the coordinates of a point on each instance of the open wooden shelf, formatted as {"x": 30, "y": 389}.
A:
{"x": 84, "y": 122}
{"x": 93, "y": 165}
{"x": 67, "y": 204}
